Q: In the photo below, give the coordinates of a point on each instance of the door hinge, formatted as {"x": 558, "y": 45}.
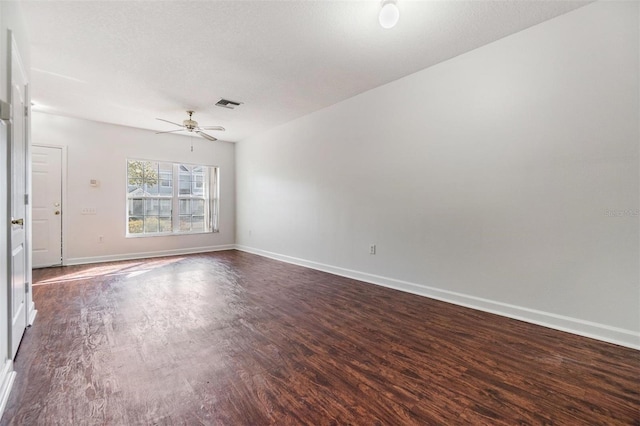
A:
{"x": 26, "y": 199}
{"x": 5, "y": 111}
{"x": 26, "y": 287}
{"x": 26, "y": 111}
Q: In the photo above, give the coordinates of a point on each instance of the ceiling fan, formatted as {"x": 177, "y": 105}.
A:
{"x": 191, "y": 126}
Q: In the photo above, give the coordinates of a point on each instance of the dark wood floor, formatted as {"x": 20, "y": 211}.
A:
{"x": 231, "y": 338}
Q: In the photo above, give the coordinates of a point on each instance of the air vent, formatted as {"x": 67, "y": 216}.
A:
{"x": 226, "y": 103}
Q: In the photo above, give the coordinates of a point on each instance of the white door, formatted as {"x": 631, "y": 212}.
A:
{"x": 46, "y": 207}
{"x": 17, "y": 209}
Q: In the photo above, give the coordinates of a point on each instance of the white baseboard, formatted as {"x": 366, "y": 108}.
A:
{"x": 32, "y": 314}
{"x": 7, "y": 377}
{"x": 580, "y": 327}
{"x": 145, "y": 255}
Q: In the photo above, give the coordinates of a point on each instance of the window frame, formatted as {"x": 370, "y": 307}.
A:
{"x": 210, "y": 198}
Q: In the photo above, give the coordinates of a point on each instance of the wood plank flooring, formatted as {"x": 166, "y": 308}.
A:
{"x": 231, "y": 338}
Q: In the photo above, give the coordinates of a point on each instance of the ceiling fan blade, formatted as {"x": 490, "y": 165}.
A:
{"x": 167, "y": 121}
{"x": 206, "y": 136}
{"x": 171, "y": 131}
{"x": 220, "y": 128}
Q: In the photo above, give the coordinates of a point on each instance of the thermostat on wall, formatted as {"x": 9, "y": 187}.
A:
{"x": 94, "y": 182}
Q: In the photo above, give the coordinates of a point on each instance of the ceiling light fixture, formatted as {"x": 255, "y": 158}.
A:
{"x": 389, "y": 14}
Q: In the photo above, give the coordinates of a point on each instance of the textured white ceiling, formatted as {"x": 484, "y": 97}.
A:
{"x": 127, "y": 62}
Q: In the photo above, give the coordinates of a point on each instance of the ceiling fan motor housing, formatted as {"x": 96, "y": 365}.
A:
{"x": 190, "y": 124}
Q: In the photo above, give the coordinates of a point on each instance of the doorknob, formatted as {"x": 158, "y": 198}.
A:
{"x": 17, "y": 222}
{"x": 57, "y": 212}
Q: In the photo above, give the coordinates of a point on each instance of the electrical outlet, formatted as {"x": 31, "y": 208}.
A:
{"x": 372, "y": 249}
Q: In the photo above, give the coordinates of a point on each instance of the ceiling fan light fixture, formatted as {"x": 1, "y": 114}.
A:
{"x": 191, "y": 126}
{"x": 389, "y": 14}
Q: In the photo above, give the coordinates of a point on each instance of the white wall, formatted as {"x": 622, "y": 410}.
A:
{"x": 99, "y": 151}
{"x": 485, "y": 180}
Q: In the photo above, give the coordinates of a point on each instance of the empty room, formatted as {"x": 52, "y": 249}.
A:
{"x": 320, "y": 212}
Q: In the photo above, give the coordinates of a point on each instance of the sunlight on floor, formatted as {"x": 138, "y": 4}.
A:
{"x": 129, "y": 269}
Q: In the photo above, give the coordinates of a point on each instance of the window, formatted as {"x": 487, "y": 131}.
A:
{"x": 170, "y": 198}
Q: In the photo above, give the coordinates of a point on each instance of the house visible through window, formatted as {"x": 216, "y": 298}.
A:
{"x": 171, "y": 198}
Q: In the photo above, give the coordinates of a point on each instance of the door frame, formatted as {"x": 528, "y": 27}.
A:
{"x": 31, "y": 307}
{"x": 7, "y": 374}
{"x": 63, "y": 201}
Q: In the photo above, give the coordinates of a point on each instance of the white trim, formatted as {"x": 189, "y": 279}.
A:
{"x": 31, "y": 316}
{"x": 618, "y": 336}
{"x": 144, "y": 255}
{"x": 7, "y": 377}
{"x": 29, "y": 205}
